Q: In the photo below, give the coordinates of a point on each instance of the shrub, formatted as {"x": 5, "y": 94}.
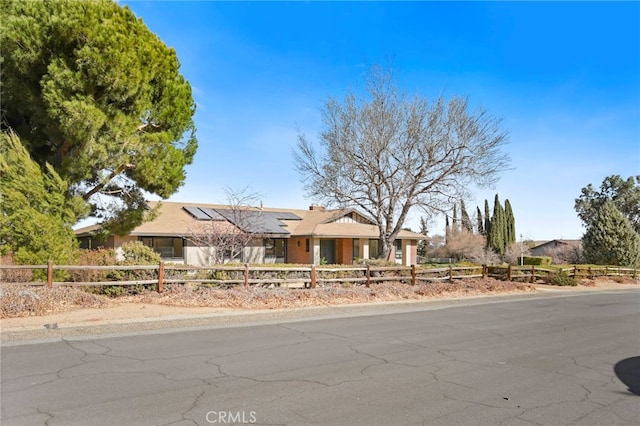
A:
{"x": 135, "y": 252}
{"x": 561, "y": 278}
{"x": 537, "y": 260}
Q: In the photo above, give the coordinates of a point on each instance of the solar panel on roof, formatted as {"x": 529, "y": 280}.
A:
{"x": 197, "y": 213}
{"x": 253, "y": 221}
{"x": 213, "y": 214}
{"x": 286, "y": 216}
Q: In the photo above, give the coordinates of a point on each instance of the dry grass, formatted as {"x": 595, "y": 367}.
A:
{"x": 21, "y": 301}
{"x": 274, "y": 298}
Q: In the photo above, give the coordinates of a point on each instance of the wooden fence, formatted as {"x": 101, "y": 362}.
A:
{"x": 295, "y": 276}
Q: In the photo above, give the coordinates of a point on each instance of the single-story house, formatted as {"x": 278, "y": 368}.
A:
{"x": 549, "y": 247}
{"x": 312, "y": 236}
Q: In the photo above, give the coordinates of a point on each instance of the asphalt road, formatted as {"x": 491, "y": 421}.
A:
{"x": 536, "y": 361}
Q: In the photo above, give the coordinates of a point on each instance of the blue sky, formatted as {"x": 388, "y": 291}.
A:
{"x": 564, "y": 77}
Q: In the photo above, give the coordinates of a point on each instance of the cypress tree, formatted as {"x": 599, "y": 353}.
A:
{"x": 510, "y": 228}
{"x": 487, "y": 223}
{"x": 466, "y": 220}
{"x": 454, "y": 225}
{"x": 447, "y": 230}
{"x": 36, "y": 218}
{"x": 480, "y": 222}
{"x": 422, "y": 244}
{"x": 498, "y": 228}
{"x": 610, "y": 238}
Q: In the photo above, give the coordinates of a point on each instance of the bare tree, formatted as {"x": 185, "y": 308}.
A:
{"x": 485, "y": 256}
{"x": 227, "y": 237}
{"x": 464, "y": 244}
{"x": 565, "y": 253}
{"x": 388, "y": 153}
{"x": 514, "y": 252}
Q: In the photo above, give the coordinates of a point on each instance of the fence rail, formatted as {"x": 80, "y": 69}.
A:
{"x": 295, "y": 276}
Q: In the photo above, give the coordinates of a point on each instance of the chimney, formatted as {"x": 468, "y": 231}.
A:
{"x": 316, "y": 208}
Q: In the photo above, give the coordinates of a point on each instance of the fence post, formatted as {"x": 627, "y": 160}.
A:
{"x": 246, "y": 275}
{"x": 450, "y": 274}
{"x": 368, "y": 276}
{"x": 533, "y": 274}
{"x": 485, "y": 271}
{"x": 509, "y": 273}
{"x": 314, "y": 278}
{"x": 160, "y": 276}
{"x": 50, "y": 273}
{"x": 413, "y": 275}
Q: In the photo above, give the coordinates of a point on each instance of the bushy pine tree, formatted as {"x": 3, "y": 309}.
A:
{"x": 92, "y": 92}
{"x": 610, "y": 238}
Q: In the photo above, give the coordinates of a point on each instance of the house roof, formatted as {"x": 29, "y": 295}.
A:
{"x": 179, "y": 219}
{"x": 555, "y": 243}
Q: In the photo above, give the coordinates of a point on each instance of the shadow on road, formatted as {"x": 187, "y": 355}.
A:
{"x": 628, "y": 371}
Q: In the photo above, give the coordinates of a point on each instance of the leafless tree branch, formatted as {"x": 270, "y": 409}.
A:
{"x": 389, "y": 153}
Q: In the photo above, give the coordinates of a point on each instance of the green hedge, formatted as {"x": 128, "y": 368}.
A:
{"x": 537, "y": 260}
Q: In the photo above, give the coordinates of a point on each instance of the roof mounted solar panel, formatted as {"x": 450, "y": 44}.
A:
{"x": 286, "y": 216}
{"x": 197, "y": 213}
{"x": 213, "y": 214}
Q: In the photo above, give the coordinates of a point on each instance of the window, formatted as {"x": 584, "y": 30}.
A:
{"x": 306, "y": 244}
{"x": 275, "y": 247}
{"x": 373, "y": 249}
{"x": 356, "y": 248}
{"x": 167, "y": 247}
{"x": 398, "y": 245}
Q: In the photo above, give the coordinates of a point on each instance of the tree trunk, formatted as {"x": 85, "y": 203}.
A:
{"x": 384, "y": 250}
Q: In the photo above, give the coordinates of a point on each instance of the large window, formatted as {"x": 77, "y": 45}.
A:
{"x": 373, "y": 249}
{"x": 356, "y": 249}
{"x": 275, "y": 247}
{"x": 167, "y": 247}
{"x": 398, "y": 245}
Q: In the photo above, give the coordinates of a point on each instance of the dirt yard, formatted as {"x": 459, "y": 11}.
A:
{"x": 30, "y": 306}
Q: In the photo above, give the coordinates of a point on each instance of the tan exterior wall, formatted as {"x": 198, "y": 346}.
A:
{"x": 296, "y": 251}
{"x": 118, "y": 241}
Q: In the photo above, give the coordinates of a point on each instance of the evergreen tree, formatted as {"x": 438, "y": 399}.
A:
{"x": 487, "y": 222}
{"x": 454, "y": 226}
{"x": 466, "y": 220}
{"x": 510, "y": 224}
{"x": 35, "y": 215}
{"x": 447, "y": 230}
{"x": 422, "y": 244}
{"x": 623, "y": 193}
{"x": 90, "y": 90}
{"x": 497, "y": 233}
{"x": 611, "y": 239}
{"x": 480, "y": 222}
